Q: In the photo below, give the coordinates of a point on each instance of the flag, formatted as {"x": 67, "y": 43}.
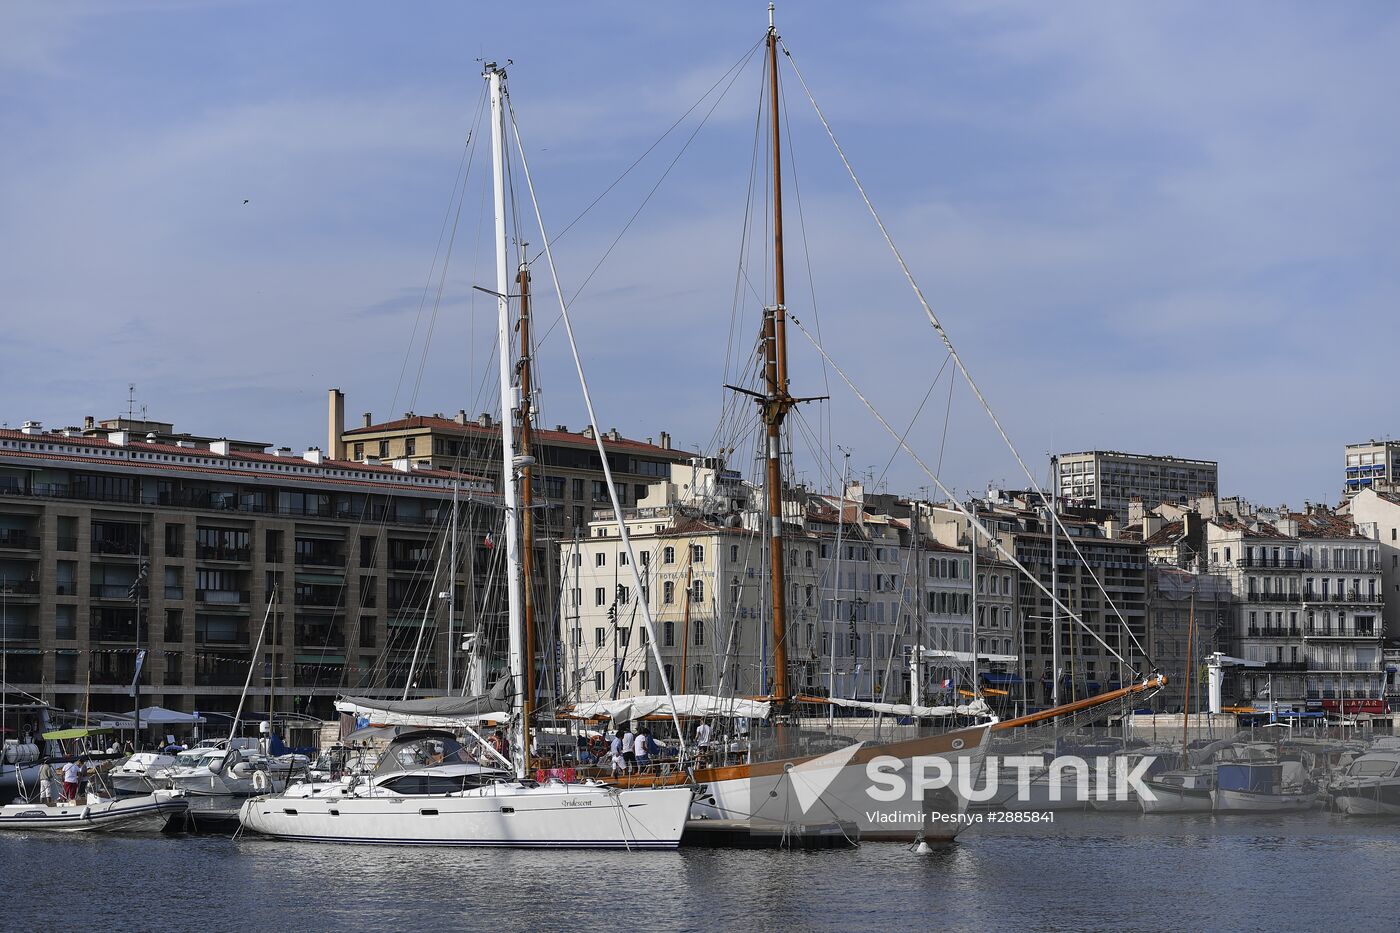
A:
{"x": 140, "y": 660}
{"x": 489, "y": 541}
{"x": 947, "y": 684}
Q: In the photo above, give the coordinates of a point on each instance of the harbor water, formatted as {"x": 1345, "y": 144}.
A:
{"x": 1086, "y": 871}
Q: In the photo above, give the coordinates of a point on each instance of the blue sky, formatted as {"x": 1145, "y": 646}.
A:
{"x": 1154, "y": 227}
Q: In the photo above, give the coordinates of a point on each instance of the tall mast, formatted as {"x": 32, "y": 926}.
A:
{"x": 452, "y": 593}
{"x": 1054, "y": 581}
{"x": 495, "y": 76}
{"x": 778, "y": 400}
{"x": 527, "y": 513}
{"x": 976, "y": 685}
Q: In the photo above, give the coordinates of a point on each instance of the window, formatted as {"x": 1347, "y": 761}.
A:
{"x": 809, "y": 557}
{"x": 359, "y": 451}
{"x": 383, "y": 450}
{"x": 624, "y": 594}
{"x": 600, "y": 559}
{"x": 410, "y": 446}
{"x": 668, "y": 636}
{"x": 599, "y": 681}
{"x": 697, "y": 591}
{"x": 600, "y": 596}
{"x": 622, "y": 558}
{"x": 600, "y": 637}
{"x": 600, "y": 491}
{"x": 699, "y": 676}
{"x": 734, "y": 554}
{"x": 668, "y": 555}
{"x": 576, "y": 637}
{"x": 644, "y": 558}
{"x": 697, "y": 553}
{"x": 668, "y": 593}
{"x": 624, "y": 637}
{"x": 576, "y": 489}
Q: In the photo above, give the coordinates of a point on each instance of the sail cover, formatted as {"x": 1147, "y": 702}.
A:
{"x": 693, "y": 705}
{"x": 447, "y": 712}
{"x": 977, "y": 707}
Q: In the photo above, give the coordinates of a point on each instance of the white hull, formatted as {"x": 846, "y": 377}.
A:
{"x": 128, "y": 814}
{"x": 551, "y": 816}
{"x": 1373, "y": 800}
{"x": 1241, "y": 801}
{"x": 1177, "y": 800}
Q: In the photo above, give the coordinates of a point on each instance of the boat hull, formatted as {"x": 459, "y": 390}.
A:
{"x": 1375, "y": 799}
{"x": 559, "y": 816}
{"x": 764, "y": 792}
{"x": 148, "y": 813}
{"x": 1243, "y": 801}
{"x": 1172, "y": 799}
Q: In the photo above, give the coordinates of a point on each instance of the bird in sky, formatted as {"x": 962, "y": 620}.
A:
{"x": 246, "y": 200}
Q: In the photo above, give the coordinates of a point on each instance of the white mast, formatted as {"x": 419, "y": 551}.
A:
{"x": 452, "y": 595}
{"x": 495, "y": 76}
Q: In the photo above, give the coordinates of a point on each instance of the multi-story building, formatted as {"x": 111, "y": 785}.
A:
{"x": 115, "y": 544}
{"x": 1110, "y": 479}
{"x": 1372, "y": 464}
{"x": 568, "y": 477}
{"x": 705, "y": 580}
{"x": 1309, "y": 589}
{"x": 1377, "y": 512}
{"x": 1190, "y": 613}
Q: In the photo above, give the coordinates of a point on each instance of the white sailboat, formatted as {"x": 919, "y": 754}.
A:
{"x": 426, "y": 791}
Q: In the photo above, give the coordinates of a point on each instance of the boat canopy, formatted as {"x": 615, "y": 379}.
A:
{"x": 695, "y": 705}
{"x": 977, "y": 707}
{"x": 446, "y": 712}
{"x": 80, "y": 732}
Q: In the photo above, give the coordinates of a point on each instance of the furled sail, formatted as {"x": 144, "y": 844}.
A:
{"x": 447, "y": 712}
{"x": 977, "y": 707}
{"x": 696, "y": 705}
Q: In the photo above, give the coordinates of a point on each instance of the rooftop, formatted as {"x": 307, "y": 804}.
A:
{"x": 611, "y": 439}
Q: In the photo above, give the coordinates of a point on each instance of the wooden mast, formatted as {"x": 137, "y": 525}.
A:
{"x": 527, "y": 512}
{"x": 778, "y": 401}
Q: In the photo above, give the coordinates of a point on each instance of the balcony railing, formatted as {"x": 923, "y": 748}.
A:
{"x": 216, "y": 552}
{"x": 238, "y": 637}
{"x": 19, "y": 632}
{"x": 1286, "y": 665}
{"x": 109, "y": 590}
{"x": 17, "y": 539}
{"x": 318, "y": 637}
{"x": 1270, "y": 562}
{"x": 1273, "y": 598}
{"x": 1348, "y": 632}
{"x": 1274, "y": 631}
{"x": 320, "y": 559}
{"x": 117, "y": 547}
{"x": 327, "y": 600}
{"x": 1351, "y": 596}
{"x": 20, "y": 587}
{"x": 222, "y": 597}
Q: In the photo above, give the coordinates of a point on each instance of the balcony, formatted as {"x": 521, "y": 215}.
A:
{"x": 118, "y": 632}
{"x": 18, "y": 540}
{"x": 220, "y": 636}
{"x": 1274, "y": 631}
{"x": 318, "y": 598}
{"x": 222, "y": 597}
{"x": 311, "y": 637}
{"x": 218, "y": 552}
{"x": 19, "y": 632}
{"x": 1351, "y": 596}
{"x": 1349, "y": 632}
{"x": 319, "y": 559}
{"x": 1273, "y": 598}
{"x": 110, "y": 591}
{"x": 1295, "y": 563}
{"x": 1276, "y": 666}
{"x": 116, "y": 547}
{"x": 20, "y": 588}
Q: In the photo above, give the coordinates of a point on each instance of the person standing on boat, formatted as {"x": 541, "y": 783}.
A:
{"x": 46, "y": 779}
{"x": 702, "y": 736}
{"x": 640, "y": 756}
{"x": 629, "y": 751}
{"x": 72, "y": 776}
{"x": 618, "y": 762}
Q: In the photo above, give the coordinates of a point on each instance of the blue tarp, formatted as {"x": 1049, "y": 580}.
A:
{"x": 1001, "y": 677}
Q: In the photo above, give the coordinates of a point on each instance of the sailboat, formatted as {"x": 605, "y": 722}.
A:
{"x": 791, "y": 776}
{"x": 426, "y": 790}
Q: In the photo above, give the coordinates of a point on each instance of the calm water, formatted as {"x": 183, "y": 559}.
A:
{"x": 1089, "y": 871}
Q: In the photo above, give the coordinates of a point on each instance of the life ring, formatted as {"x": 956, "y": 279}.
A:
{"x": 261, "y": 782}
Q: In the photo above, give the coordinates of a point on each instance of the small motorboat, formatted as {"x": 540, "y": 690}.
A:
{"x": 1370, "y": 786}
{"x": 1187, "y": 790}
{"x": 146, "y": 813}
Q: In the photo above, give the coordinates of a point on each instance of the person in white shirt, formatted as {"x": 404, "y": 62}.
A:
{"x": 702, "y": 735}
{"x": 618, "y": 764}
{"x": 639, "y": 750}
{"x": 72, "y": 775}
{"x": 629, "y": 753}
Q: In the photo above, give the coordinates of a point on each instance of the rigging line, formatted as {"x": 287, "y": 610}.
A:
{"x": 947, "y": 342}
{"x": 592, "y": 415}
{"x": 968, "y": 514}
{"x": 895, "y": 453}
{"x": 947, "y": 412}
{"x": 743, "y": 59}
{"x": 645, "y": 201}
{"x": 460, "y": 177}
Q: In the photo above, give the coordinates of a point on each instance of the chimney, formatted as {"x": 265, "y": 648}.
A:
{"x": 312, "y": 455}
{"x": 665, "y": 440}
{"x": 32, "y": 427}
{"x": 89, "y": 423}
{"x": 335, "y": 427}
{"x": 283, "y": 451}
{"x": 612, "y": 435}
{"x": 562, "y": 428}
{"x": 484, "y": 420}
{"x": 587, "y": 431}
{"x": 369, "y": 419}
{"x": 119, "y": 438}
{"x": 1151, "y": 524}
{"x": 219, "y": 447}
{"x": 188, "y": 444}
{"x": 461, "y": 416}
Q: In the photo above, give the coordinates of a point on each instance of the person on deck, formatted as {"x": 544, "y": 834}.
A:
{"x": 641, "y": 757}
{"x": 618, "y": 763}
{"x": 72, "y": 776}
{"x": 702, "y": 735}
{"x": 46, "y": 781}
{"x": 629, "y": 751}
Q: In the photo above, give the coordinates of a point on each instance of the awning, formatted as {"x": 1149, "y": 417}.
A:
{"x": 446, "y": 712}
{"x": 78, "y": 733}
{"x": 326, "y": 579}
{"x": 689, "y": 705}
{"x": 1001, "y": 677}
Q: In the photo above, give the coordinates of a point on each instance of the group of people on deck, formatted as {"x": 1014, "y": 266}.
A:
{"x": 72, "y": 779}
{"x": 632, "y": 751}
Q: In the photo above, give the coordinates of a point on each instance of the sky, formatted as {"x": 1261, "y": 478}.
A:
{"x": 1164, "y": 228}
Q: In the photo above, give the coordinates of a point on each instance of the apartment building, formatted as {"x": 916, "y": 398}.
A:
{"x": 115, "y": 544}
{"x": 1374, "y": 464}
{"x": 1111, "y": 479}
{"x": 1377, "y": 513}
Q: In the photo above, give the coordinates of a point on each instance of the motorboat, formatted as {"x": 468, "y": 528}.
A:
{"x": 135, "y": 773}
{"x": 1121, "y": 797}
{"x": 1370, "y": 786}
{"x": 145, "y": 813}
{"x": 1186, "y": 790}
{"x": 428, "y": 790}
{"x": 234, "y": 772}
{"x": 1263, "y": 787}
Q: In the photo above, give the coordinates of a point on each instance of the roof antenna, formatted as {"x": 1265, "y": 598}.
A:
{"x": 130, "y": 402}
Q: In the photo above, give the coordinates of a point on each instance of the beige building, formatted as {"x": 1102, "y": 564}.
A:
{"x": 1374, "y": 464}
{"x": 351, "y": 549}
{"x": 1110, "y": 479}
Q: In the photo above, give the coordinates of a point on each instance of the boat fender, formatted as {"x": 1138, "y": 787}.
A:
{"x": 261, "y": 782}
